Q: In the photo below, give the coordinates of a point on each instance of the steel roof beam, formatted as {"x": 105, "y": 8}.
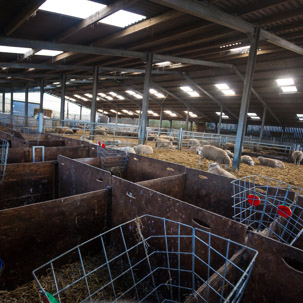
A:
{"x": 217, "y": 16}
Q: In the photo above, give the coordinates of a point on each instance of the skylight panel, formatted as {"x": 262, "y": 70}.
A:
{"x": 225, "y": 117}
{"x": 109, "y": 98}
{"x": 289, "y": 89}
{"x": 75, "y": 8}
{"x": 48, "y": 52}
{"x": 122, "y": 18}
{"x": 88, "y": 95}
{"x": 300, "y": 115}
{"x": 256, "y": 118}
{"x": 252, "y": 114}
{"x": 186, "y": 88}
{"x": 113, "y": 94}
{"x": 219, "y": 113}
{"x": 102, "y": 95}
{"x": 228, "y": 92}
{"x": 193, "y": 94}
{"x": 160, "y": 96}
{"x": 14, "y": 50}
{"x": 222, "y": 86}
{"x": 164, "y": 63}
{"x": 285, "y": 81}
{"x": 120, "y": 97}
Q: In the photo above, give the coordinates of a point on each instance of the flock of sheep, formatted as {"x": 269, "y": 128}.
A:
{"x": 206, "y": 151}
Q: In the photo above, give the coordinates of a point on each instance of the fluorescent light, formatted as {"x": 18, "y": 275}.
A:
{"x": 130, "y": 92}
{"x": 48, "y": 52}
{"x": 219, "y": 113}
{"x": 300, "y": 115}
{"x": 155, "y": 114}
{"x": 301, "y": 119}
{"x": 113, "y": 94}
{"x": 75, "y": 8}
{"x": 106, "y": 113}
{"x": 113, "y": 111}
{"x": 102, "y": 95}
{"x": 252, "y": 114}
{"x": 137, "y": 96}
{"x": 109, "y": 98}
{"x": 289, "y": 89}
{"x": 164, "y": 63}
{"x": 228, "y": 92}
{"x": 120, "y": 97}
{"x": 193, "y": 94}
{"x": 191, "y": 114}
{"x": 285, "y": 81}
{"x": 170, "y": 113}
{"x": 255, "y": 118}
{"x": 186, "y": 88}
{"x": 222, "y": 86}
{"x": 14, "y": 50}
{"x": 122, "y": 18}
{"x": 88, "y": 95}
{"x": 225, "y": 117}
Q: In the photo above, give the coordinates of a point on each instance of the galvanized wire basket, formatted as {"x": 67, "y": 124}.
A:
{"x": 149, "y": 259}
{"x": 4, "y": 146}
{"x": 270, "y": 206}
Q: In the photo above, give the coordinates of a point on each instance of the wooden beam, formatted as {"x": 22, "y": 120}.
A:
{"x": 20, "y": 18}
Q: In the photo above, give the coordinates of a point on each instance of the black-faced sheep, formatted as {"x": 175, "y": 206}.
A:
{"x": 215, "y": 168}
{"x": 214, "y": 153}
{"x": 297, "y": 157}
{"x": 271, "y": 162}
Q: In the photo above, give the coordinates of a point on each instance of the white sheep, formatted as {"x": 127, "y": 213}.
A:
{"x": 214, "y": 153}
{"x": 83, "y": 138}
{"x": 215, "y": 168}
{"x": 271, "y": 162}
{"x": 193, "y": 143}
{"x": 195, "y": 148}
{"x": 231, "y": 155}
{"x": 247, "y": 160}
{"x": 160, "y": 142}
{"x": 127, "y": 149}
{"x": 143, "y": 149}
{"x": 297, "y": 157}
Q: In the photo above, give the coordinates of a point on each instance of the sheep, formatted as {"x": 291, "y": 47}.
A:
{"x": 297, "y": 157}
{"x": 126, "y": 149}
{"x": 271, "y": 162}
{"x": 231, "y": 155}
{"x": 193, "y": 143}
{"x": 214, "y": 153}
{"x": 195, "y": 148}
{"x": 83, "y": 138}
{"x": 163, "y": 143}
{"x": 247, "y": 160}
{"x": 143, "y": 149}
{"x": 215, "y": 168}
{"x": 69, "y": 132}
{"x": 114, "y": 142}
{"x": 99, "y": 131}
{"x": 230, "y": 146}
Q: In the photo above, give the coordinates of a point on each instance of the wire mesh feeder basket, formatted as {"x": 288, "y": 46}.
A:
{"x": 270, "y": 206}
{"x": 111, "y": 156}
{"x": 149, "y": 259}
{"x": 4, "y": 145}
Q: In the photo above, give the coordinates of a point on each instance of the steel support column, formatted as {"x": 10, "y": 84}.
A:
{"x": 62, "y": 105}
{"x": 220, "y": 121}
{"x": 246, "y": 97}
{"x": 3, "y": 101}
{"x": 12, "y": 105}
{"x": 161, "y": 117}
{"x": 191, "y": 125}
{"x": 170, "y": 124}
{"x": 94, "y": 104}
{"x": 187, "y": 119}
{"x": 41, "y": 96}
{"x": 80, "y": 118}
{"x": 145, "y": 103}
{"x": 263, "y": 123}
{"x": 26, "y": 106}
